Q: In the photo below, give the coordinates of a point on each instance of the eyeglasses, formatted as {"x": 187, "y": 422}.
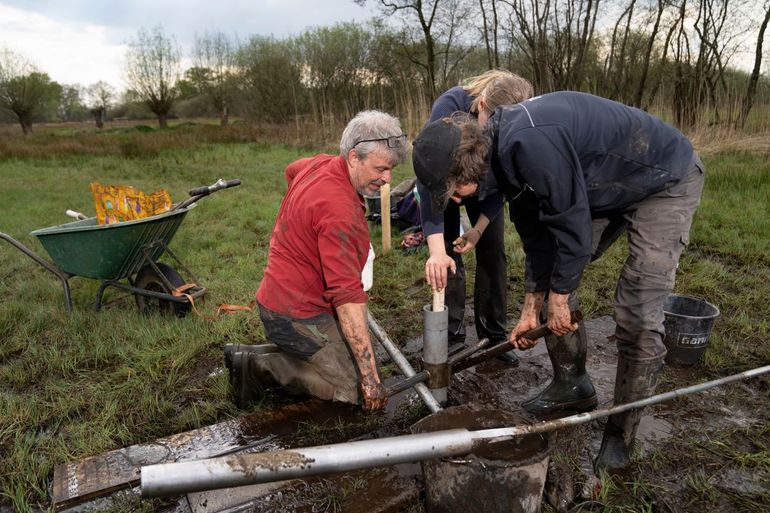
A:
{"x": 394, "y": 141}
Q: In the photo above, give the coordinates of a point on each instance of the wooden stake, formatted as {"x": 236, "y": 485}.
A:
{"x": 438, "y": 300}
{"x": 385, "y": 216}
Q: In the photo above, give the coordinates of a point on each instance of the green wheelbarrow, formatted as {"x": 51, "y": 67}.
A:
{"x": 129, "y": 250}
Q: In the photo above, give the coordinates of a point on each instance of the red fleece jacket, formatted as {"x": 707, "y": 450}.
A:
{"x": 319, "y": 244}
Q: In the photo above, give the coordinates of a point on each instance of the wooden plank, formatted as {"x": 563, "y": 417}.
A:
{"x": 97, "y": 476}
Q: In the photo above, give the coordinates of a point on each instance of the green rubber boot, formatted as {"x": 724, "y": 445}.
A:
{"x": 634, "y": 380}
{"x": 247, "y": 379}
{"x": 571, "y": 388}
{"x": 231, "y": 349}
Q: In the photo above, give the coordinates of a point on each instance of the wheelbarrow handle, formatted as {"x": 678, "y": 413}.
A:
{"x": 216, "y": 186}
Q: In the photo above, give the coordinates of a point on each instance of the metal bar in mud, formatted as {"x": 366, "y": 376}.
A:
{"x": 406, "y": 383}
{"x": 244, "y": 469}
{"x": 481, "y": 344}
{"x": 573, "y": 420}
{"x": 402, "y": 363}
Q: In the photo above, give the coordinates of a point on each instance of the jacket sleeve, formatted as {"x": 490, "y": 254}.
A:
{"x": 343, "y": 246}
{"x": 548, "y": 164}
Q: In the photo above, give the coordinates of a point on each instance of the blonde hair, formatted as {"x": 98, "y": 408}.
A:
{"x": 498, "y": 87}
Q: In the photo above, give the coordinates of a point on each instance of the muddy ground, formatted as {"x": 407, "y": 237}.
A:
{"x": 705, "y": 452}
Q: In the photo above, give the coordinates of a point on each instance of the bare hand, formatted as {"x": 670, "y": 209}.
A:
{"x": 374, "y": 395}
{"x": 467, "y": 241}
{"x": 559, "y": 319}
{"x": 525, "y": 324}
{"x": 436, "y": 270}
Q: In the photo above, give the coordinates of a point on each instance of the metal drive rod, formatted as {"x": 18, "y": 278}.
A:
{"x": 582, "y": 418}
{"x": 402, "y": 363}
{"x": 244, "y": 469}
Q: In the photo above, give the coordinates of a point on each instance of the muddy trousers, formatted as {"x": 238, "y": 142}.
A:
{"x": 314, "y": 358}
{"x": 571, "y": 388}
{"x": 658, "y": 230}
{"x": 489, "y": 292}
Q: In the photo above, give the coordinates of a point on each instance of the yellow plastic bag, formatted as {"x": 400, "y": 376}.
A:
{"x": 116, "y": 203}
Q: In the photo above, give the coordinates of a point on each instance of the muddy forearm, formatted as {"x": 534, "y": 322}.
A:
{"x": 533, "y": 302}
{"x": 481, "y": 224}
{"x": 352, "y": 317}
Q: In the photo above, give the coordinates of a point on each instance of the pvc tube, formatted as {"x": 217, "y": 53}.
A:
{"x": 434, "y": 350}
{"x": 246, "y": 469}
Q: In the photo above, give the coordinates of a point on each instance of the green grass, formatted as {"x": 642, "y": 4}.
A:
{"x": 74, "y": 386}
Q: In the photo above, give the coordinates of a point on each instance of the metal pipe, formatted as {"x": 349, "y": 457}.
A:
{"x": 435, "y": 350}
{"x": 402, "y": 363}
{"x": 243, "y": 469}
{"x": 583, "y": 418}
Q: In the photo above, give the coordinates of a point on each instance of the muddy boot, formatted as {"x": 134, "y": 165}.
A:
{"x": 571, "y": 388}
{"x": 248, "y": 380}
{"x": 231, "y": 349}
{"x": 509, "y": 357}
{"x": 634, "y": 380}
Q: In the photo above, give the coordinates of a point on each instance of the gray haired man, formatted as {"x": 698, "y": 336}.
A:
{"x": 311, "y": 299}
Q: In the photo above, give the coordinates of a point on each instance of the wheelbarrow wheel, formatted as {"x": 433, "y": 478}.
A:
{"x": 148, "y": 279}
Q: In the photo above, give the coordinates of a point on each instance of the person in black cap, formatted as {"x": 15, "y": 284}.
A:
{"x": 578, "y": 171}
{"x": 440, "y": 219}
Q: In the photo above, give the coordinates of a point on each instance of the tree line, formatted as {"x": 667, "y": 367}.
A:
{"x": 676, "y": 57}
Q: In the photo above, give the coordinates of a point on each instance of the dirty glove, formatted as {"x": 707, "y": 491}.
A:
{"x": 374, "y": 395}
{"x": 467, "y": 241}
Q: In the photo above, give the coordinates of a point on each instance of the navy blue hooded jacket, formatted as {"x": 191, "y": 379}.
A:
{"x": 565, "y": 158}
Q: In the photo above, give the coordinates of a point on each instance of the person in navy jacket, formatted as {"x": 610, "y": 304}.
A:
{"x": 441, "y": 220}
{"x": 578, "y": 171}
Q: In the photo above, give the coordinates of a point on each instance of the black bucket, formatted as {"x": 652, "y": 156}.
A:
{"x": 502, "y": 476}
{"x": 688, "y": 322}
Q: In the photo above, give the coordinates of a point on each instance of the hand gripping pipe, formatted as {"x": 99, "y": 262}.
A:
{"x": 245, "y": 469}
{"x": 402, "y": 363}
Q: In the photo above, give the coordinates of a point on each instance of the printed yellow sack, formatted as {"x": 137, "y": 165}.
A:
{"x": 116, "y": 203}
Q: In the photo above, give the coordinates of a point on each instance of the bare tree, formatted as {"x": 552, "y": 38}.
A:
{"x": 216, "y": 53}
{"x": 153, "y": 69}
{"x": 751, "y": 90}
{"x": 25, "y": 92}
{"x": 99, "y": 97}
{"x": 490, "y": 33}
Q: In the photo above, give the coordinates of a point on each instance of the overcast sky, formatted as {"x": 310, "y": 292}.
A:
{"x": 83, "y": 41}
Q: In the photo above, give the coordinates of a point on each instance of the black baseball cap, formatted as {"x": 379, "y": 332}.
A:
{"x": 432, "y": 156}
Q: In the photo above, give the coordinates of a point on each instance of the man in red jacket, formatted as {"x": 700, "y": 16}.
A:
{"x": 311, "y": 299}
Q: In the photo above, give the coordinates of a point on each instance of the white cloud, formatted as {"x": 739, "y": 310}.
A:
{"x": 69, "y": 52}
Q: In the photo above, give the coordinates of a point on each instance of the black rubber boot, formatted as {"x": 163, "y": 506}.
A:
{"x": 231, "y": 349}
{"x": 571, "y": 388}
{"x": 247, "y": 379}
{"x": 634, "y": 380}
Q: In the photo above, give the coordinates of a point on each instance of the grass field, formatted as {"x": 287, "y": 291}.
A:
{"x": 73, "y": 386}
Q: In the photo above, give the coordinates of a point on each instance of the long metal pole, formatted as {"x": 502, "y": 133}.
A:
{"x": 238, "y": 470}
{"x": 244, "y": 469}
{"x": 402, "y": 363}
